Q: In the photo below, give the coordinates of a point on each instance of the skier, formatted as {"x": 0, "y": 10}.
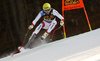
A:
{"x": 49, "y": 22}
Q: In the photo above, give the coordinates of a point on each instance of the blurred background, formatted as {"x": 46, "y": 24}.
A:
{"x": 17, "y": 15}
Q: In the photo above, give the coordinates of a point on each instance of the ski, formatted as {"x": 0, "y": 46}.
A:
{"x": 32, "y": 37}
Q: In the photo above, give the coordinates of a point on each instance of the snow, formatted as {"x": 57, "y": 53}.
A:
{"x": 83, "y": 47}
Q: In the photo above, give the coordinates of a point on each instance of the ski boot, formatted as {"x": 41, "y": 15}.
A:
{"x": 44, "y": 36}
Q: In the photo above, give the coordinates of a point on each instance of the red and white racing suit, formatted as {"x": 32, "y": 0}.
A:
{"x": 49, "y": 21}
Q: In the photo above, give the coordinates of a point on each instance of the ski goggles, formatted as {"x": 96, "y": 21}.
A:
{"x": 48, "y": 10}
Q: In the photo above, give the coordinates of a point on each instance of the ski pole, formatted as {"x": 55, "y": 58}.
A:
{"x": 22, "y": 44}
{"x": 54, "y": 32}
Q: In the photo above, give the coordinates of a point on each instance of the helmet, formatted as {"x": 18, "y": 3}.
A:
{"x": 46, "y": 7}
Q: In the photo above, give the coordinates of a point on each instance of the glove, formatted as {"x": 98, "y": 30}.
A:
{"x": 61, "y": 23}
{"x": 30, "y": 27}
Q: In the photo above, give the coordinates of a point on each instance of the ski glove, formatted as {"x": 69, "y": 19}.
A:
{"x": 61, "y": 22}
{"x": 30, "y": 27}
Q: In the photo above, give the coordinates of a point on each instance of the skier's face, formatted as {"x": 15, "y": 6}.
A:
{"x": 47, "y": 12}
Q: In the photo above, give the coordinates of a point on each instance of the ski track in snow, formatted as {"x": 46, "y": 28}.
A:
{"x": 83, "y": 47}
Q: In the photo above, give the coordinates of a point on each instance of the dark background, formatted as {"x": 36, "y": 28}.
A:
{"x": 17, "y": 15}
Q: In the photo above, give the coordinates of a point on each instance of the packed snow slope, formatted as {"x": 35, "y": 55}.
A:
{"x": 83, "y": 47}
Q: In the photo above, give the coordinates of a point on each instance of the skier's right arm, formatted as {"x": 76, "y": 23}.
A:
{"x": 35, "y": 20}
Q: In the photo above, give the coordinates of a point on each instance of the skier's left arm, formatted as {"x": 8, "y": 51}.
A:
{"x": 60, "y": 17}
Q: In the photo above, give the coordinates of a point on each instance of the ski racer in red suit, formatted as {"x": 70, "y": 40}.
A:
{"x": 49, "y": 22}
